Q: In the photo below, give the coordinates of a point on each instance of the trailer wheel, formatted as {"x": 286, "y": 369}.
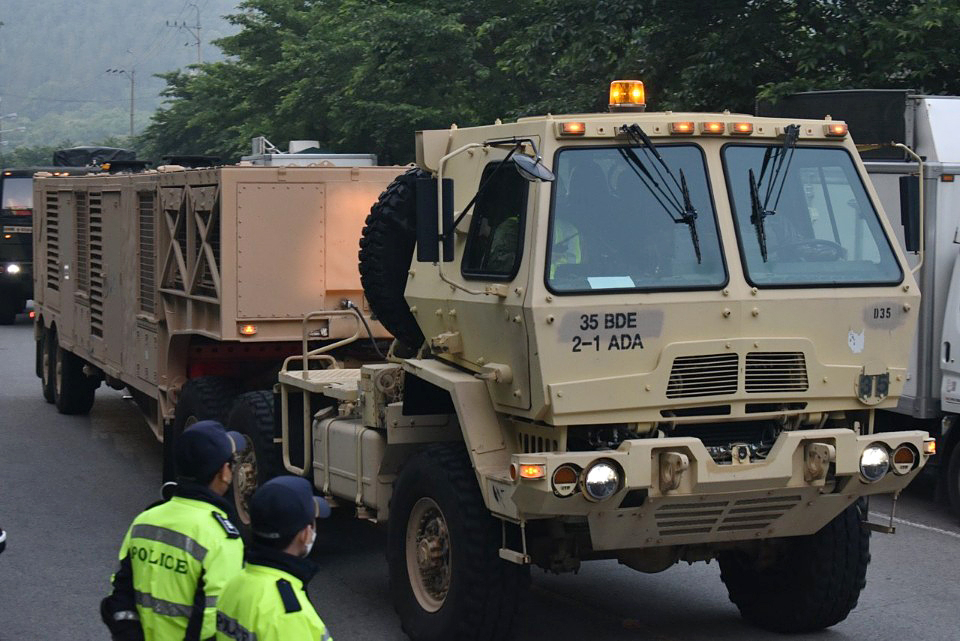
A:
{"x": 203, "y": 398}
{"x": 386, "y": 248}
{"x": 73, "y": 391}
{"x": 447, "y": 580}
{"x": 953, "y": 478}
{"x": 252, "y": 416}
{"x": 48, "y": 355}
{"x": 810, "y": 583}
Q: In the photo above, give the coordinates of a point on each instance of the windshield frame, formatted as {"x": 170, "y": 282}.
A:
{"x": 642, "y": 289}
{"x": 735, "y": 219}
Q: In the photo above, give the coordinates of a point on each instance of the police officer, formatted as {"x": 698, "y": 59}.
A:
{"x": 178, "y": 555}
{"x": 268, "y": 600}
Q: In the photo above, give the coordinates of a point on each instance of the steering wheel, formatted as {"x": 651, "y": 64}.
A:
{"x": 811, "y": 250}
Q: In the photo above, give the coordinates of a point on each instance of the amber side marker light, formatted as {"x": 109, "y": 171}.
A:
{"x": 930, "y": 446}
{"x": 683, "y": 127}
{"x": 712, "y": 127}
{"x": 529, "y": 471}
{"x": 573, "y": 128}
{"x": 741, "y": 128}
{"x": 946, "y": 178}
{"x": 248, "y": 329}
{"x": 836, "y": 130}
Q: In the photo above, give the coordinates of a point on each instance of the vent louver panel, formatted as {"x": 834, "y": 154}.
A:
{"x": 776, "y": 372}
{"x": 707, "y": 375}
{"x": 53, "y": 240}
{"x": 95, "y": 213}
{"x": 744, "y": 515}
{"x": 147, "y": 221}
{"x": 83, "y": 242}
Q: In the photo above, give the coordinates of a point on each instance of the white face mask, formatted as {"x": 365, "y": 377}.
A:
{"x": 313, "y": 538}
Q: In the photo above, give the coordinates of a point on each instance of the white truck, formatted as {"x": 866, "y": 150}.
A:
{"x": 879, "y": 119}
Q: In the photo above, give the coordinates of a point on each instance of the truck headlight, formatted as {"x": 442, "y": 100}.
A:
{"x": 601, "y": 480}
{"x": 874, "y": 463}
{"x": 13, "y": 269}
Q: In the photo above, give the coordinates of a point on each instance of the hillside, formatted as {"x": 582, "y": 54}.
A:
{"x": 54, "y": 57}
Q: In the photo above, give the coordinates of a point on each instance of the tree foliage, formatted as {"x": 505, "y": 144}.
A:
{"x": 363, "y": 75}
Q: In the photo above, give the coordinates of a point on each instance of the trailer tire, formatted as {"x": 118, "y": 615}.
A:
{"x": 386, "y": 249}
{"x": 468, "y": 592}
{"x": 202, "y": 398}
{"x": 953, "y": 478}
{"x": 205, "y": 398}
{"x": 73, "y": 391}
{"x": 252, "y": 415}
{"x": 812, "y": 583}
{"x": 48, "y": 355}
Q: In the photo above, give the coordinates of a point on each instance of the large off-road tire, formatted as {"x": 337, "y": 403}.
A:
{"x": 73, "y": 391}
{"x": 447, "y": 580}
{"x": 809, "y": 582}
{"x": 386, "y": 249}
{"x": 48, "y": 362}
{"x": 204, "y": 398}
{"x": 252, "y": 415}
{"x": 952, "y": 479}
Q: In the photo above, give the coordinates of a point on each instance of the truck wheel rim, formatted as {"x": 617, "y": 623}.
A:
{"x": 58, "y": 376}
{"x": 244, "y": 482}
{"x": 428, "y": 556}
{"x": 45, "y": 364}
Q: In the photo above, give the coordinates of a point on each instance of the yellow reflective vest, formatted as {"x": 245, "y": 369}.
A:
{"x": 181, "y": 553}
{"x": 267, "y": 602}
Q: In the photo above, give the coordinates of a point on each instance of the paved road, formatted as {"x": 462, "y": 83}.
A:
{"x": 69, "y": 487}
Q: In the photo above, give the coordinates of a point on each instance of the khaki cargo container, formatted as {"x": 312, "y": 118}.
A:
{"x": 151, "y": 280}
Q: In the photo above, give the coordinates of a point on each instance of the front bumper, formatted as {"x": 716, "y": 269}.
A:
{"x": 808, "y": 478}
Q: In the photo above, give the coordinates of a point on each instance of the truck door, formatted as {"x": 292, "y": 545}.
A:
{"x": 950, "y": 343}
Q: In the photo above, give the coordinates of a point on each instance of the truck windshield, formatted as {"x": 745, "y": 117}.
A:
{"x": 16, "y": 193}
{"x": 824, "y": 230}
{"x": 612, "y": 229}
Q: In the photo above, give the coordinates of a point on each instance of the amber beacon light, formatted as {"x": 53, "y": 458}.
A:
{"x": 627, "y": 95}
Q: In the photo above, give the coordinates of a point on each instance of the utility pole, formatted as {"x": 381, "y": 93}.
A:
{"x": 132, "y": 75}
{"x": 193, "y": 30}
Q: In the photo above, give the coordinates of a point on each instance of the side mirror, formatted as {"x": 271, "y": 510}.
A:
{"x": 532, "y": 169}
{"x": 910, "y": 212}
{"x": 428, "y": 233}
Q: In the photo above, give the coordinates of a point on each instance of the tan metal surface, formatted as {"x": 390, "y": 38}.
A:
{"x": 134, "y": 269}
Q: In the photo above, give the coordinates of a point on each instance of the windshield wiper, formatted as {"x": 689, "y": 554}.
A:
{"x": 683, "y": 211}
{"x": 780, "y": 167}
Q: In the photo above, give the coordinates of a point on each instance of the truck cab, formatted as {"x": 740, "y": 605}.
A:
{"x": 645, "y": 336}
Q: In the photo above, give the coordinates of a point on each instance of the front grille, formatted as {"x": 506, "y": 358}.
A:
{"x": 776, "y": 372}
{"x": 744, "y": 515}
{"x": 707, "y": 375}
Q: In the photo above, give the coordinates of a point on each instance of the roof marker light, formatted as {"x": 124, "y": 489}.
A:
{"x": 681, "y": 128}
{"x": 835, "y": 130}
{"x": 741, "y": 128}
{"x": 573, "y": 128}
{"x": 712, "y": 127}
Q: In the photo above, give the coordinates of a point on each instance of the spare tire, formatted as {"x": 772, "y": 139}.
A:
{"x": 386, "y": 249}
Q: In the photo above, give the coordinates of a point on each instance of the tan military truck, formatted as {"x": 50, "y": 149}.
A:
{"x": 177, "y": 284}
{"x": 650, "y": 337}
